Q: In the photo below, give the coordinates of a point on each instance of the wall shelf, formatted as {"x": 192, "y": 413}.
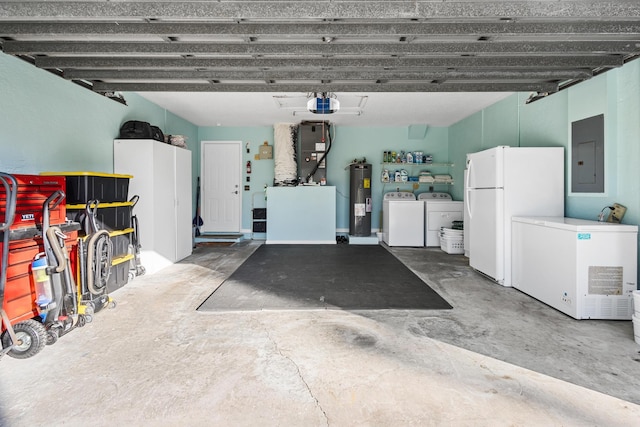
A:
{"x": 422, "y": 165}
{"x": 412, "y": 168}
{"x": 418, "y": 184}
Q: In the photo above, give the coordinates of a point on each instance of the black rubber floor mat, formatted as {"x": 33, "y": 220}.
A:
{"x": 350, "y": 277}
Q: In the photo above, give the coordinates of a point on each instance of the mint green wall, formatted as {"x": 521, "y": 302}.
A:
{"x": 349, "y": 143}
{"x": 544, "y": 122}
{"x": 464, "y": 137}
{"x": 627, "y": 155}
{"x": 500, "y": 123}
{"x": 50, "y": 124}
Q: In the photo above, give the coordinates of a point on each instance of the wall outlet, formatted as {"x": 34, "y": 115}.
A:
{"x": 566, "y": 299}
{"x": 616, "y": 213}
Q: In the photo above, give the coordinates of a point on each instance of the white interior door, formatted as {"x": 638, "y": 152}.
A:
{"x": 220, "y": 186}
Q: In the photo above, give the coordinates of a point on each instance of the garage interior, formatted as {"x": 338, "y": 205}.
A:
{"x": 464, "y": 75}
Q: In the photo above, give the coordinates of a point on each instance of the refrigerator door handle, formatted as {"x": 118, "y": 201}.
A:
{"x": 467, "y": 188}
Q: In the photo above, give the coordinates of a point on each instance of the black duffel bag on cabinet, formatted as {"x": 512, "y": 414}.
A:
{"x": 156, "y": 133}
{"x": 134, "y": 129}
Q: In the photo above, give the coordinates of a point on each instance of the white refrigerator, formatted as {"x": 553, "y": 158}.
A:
{"x": 503, "y": 182}
{"x": 585, "y": 269}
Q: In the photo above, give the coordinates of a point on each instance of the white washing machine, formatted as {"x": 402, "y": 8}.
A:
{"x": 439, "y": 211}
{"x": 402, "y": 219}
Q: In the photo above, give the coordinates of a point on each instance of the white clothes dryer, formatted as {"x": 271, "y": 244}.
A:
{"x": 402, "y": 219}
{"x": 439, "y": 211}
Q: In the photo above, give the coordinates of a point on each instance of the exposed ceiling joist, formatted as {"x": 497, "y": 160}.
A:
{"x": 336, "y": 29}
{"x": 318, "y": 9}
{"x": 439, "y": 62}
{"x": 320, "y": 49}
{"x": 142, "y": 75}
{"x": 327, "y": 87}
{"x": 323, "y": 45}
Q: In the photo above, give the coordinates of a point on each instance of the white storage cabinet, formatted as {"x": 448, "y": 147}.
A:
{"x": 162, "y": 178}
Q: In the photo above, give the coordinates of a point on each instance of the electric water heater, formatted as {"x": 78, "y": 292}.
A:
{"x": 360, "y": 200}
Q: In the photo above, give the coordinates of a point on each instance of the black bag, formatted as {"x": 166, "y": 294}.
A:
{"x": 157, "y": 134}
{"x": 134, "y": 129}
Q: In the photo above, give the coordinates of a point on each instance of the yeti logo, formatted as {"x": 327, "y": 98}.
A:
{"x": 28, "y": 217}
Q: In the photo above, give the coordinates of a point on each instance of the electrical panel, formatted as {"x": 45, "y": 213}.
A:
{"x": 312, "y": 146}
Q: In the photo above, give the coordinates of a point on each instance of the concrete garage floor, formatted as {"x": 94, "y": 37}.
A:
{"x": 499, "y": 358}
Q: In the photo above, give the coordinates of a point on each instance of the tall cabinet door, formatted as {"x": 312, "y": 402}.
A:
{"x": 135, "y": 157}
{"x": 164, "y": 207}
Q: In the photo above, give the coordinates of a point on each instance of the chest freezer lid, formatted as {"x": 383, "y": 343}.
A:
{"x": 575, "y": 224}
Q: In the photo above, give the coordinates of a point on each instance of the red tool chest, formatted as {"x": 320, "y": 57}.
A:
{"x": 33, "y": 191}
{"x": 20, "y": 296}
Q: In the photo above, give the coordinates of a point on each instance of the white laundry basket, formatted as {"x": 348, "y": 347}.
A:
{"x": 451, "y": 241}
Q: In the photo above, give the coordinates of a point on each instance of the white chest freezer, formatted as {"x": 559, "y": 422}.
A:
{"x": 585, "y": 269}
